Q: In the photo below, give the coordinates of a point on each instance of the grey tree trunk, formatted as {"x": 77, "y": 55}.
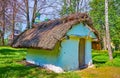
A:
{"x": 104, "y": 43}
{"x": 13, "y": 21}
{"x": 3, "y": 23}
{"x": 107, "y": 31}
{"x": 27, "y": 12}
{"x": 34, "y": 11}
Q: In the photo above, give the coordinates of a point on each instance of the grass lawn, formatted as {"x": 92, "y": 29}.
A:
{"x": 11, "y": 66}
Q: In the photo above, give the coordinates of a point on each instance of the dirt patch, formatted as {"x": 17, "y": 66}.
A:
{"x": 101, "y": 72}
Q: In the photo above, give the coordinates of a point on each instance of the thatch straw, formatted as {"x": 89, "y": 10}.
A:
{"x": 46, "y": 34}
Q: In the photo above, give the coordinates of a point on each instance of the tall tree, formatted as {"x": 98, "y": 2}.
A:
{"x": 107, "y": 31}
{"x": 8, "y": 15}
{"x": 3, "y": 5}
{"x": 70, "y": 6}
{"x": 37, "y": 6}
{"x": 13, "y": 17}
{"x": 98, "y": 16}
{"x": 27, "y": 13}
{"x": 34, "y": 12}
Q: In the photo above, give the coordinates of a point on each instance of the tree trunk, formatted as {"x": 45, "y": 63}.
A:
{"x": 27, "y": 12}
{"x": 81, "y": 5}
{"x": 13, "y": 21}
{"x": 77, "y": 5}
{"x": 0, "y": 36}
{"x": 104, "y": 43}
{"x": 34, "y": 11}
{"x": 3, "y": 23}
{"x": 107, "y": 30}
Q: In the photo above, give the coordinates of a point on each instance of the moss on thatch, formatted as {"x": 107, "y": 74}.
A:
{"x": 46, "y": 34}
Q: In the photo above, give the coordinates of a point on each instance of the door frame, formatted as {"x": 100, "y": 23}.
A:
{"x": 81, "y": 52}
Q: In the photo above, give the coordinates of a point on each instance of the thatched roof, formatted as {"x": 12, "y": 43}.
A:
{"x": 46, "y": 34}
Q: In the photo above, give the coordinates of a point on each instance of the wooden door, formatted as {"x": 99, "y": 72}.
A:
{"x": 82, "y": 53}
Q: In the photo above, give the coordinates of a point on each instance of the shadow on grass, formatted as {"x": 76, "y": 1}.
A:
{"x": 99, "y": 62}
{"x": 25, "y": 71}
{"x": 102, "y": 59}
{"x": 6, "y": 51}
{"x": 116, "y": 54}
{"x": 99, "y": 58}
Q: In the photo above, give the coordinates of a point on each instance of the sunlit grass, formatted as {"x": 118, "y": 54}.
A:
{"x": 103, "y": 67}
{"x": 11, "y": 66}
{"x": 101, "y": 58}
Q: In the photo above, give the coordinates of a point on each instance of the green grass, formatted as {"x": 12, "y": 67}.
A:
{"x": 100, "y": 58}
{"x": 11, "y": 66}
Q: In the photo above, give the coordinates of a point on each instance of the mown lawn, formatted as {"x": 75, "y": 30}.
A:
{"x": 12, "y": 66}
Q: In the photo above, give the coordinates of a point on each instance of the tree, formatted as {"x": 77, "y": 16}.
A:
{"x": 34, "y": 12}
{"x": 38, "y": 6}
{"x": 107, "y": 31}
{"x": 72, "y": 6}
{"x": 8, "y": 14}
{"x": 13, "y": 17}
{"x": 115, "y": 24}
{"x": 14, "y": 11}
{"x": 3, "y": 5}
{"x": 27, "y": 13}
{"x": 98, "y": 16}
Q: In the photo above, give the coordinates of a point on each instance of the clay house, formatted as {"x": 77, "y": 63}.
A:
{"x": 64, "y": 42}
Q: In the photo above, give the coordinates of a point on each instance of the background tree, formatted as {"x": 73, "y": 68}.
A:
{"x": 98, "y": 16}
{"x": 9, "y": 13}
{"x": 43, "y": 7}
{"x": 107, "y": 31}
{"x": 34, "y": 12}
{"x": 24, "y": 11}
{"x": 3, "y": 7}
{"x": 72, "y": 6}
{"x": 27, "y": 13}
